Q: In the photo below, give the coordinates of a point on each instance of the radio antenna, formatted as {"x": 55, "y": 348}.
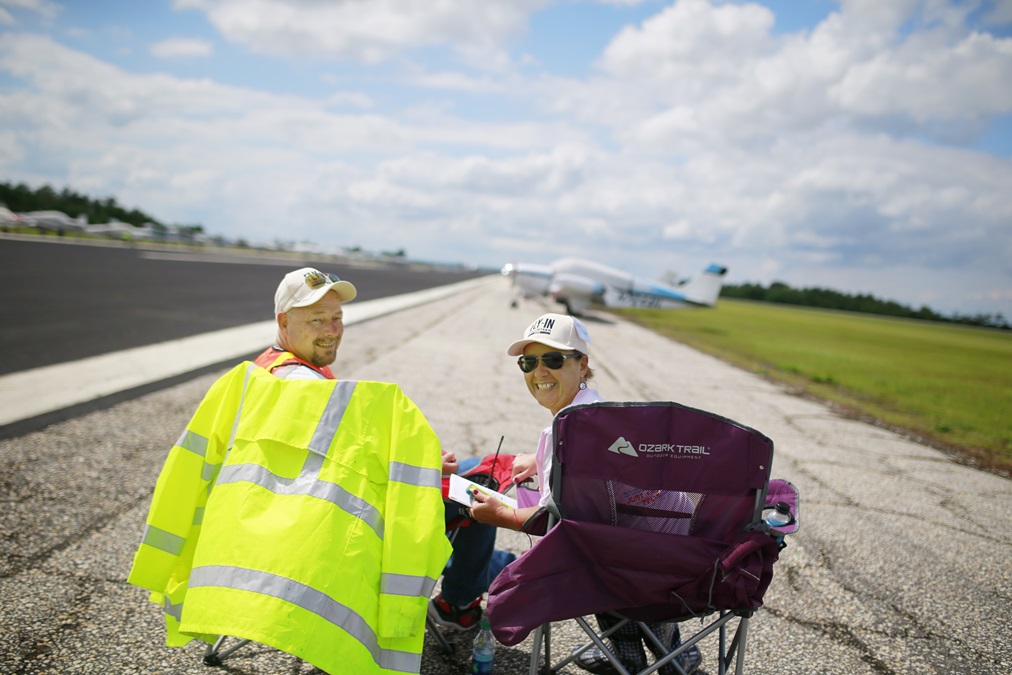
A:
{"x": 491, "y": 472}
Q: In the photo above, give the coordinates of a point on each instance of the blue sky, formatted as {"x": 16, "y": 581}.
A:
{"x": 860, "y": 145}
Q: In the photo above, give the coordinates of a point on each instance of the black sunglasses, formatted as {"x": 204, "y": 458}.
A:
{"x": 553, "y": 360}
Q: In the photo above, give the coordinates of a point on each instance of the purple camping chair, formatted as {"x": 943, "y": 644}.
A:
{"x": 656, "y": 517}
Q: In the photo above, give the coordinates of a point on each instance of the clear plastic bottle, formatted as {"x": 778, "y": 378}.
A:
{"x": 483, "y": 652}
{"x": 777, "y": 516}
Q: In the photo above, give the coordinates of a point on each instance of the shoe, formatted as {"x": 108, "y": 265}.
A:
{"x": 689, "y": 660}
{"x": 452, "y": 617}
{"x": 593, "y": 660}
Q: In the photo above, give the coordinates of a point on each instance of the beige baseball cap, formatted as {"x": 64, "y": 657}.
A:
{"x": 555, "y": 330}
{"x": 306, "y": 286}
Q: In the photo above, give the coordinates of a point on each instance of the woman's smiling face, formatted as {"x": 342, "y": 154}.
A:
{"x": 554, "y": 389}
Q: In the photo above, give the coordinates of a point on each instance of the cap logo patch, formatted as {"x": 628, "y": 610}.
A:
{"x": 543, "y": 326}
{"x": 315, "y": 279}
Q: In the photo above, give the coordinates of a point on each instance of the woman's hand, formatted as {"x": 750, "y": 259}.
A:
{"x": 450, "y": 463}
{"x": 487, "y": 509}
{"x": 523, "y": 468}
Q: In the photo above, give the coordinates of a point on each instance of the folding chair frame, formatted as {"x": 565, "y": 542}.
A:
{"x": 735, "y": 651}
{"x": 215, "y": 654}
{"x": 727, "y": 652}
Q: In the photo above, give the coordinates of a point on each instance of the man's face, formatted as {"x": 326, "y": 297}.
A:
{"x": 313, "y": 333}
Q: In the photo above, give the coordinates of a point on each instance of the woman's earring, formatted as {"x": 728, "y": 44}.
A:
{"x": 583, "y": 385}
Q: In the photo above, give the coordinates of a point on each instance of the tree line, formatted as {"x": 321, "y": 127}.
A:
{"x": 824, "y": 298}
{"x": 21, "y": 198}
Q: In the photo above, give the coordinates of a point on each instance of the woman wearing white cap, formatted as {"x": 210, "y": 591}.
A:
{"x": 553, "y": 356}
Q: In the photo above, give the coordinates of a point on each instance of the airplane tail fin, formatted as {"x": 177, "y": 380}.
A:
{"x": 705, "y": 288}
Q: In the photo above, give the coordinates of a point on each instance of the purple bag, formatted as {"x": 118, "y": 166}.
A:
{"x": 577, "y": 569}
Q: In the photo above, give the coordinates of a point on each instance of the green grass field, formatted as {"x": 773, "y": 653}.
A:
{"x": 948, "y": 385}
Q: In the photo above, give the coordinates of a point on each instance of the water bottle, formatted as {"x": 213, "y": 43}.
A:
{"x": 778, "y": 515}
{"x": 483, "y": 652}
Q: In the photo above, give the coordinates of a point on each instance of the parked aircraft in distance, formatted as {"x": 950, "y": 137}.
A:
{"x": 57, "y": 221}
{"x": 576, "y": 283}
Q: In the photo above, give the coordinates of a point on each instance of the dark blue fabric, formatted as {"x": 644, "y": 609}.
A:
{"x": 475, "y": 561}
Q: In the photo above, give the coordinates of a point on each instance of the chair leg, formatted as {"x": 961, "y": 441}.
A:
{"x": 734, "y": 651}
{"x": 542, "y": 636}
{"x": 548, "y": 649}
{"x": 743, "y": 632}
{"x": 214, "y": 654}
{"x": 539, "y": 634}
{"x": 444, "y": 645}
{"x": 721, "y": 666}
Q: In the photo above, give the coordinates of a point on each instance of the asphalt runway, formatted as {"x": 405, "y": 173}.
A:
{"x": 62, "y": 301}
{"x": 136, "y": 318}
{"x": 901, "y": 565}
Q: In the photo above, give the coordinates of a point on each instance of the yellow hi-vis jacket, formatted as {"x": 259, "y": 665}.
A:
{"x": 305, "y": 515}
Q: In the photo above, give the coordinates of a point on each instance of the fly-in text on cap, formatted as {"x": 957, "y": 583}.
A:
{"x": 543, "y": 326}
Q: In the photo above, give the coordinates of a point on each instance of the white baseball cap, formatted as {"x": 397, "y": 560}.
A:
{"x": 555, "y": 330}
{"x": 306, "y": 286}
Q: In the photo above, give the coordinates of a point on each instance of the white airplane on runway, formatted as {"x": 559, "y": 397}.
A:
{"x": 577, "y": 283}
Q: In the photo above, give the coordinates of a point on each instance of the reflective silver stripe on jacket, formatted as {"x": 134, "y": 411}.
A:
{"x": 163, "y": 540}
{"x": 194, "y": 442}
{"x": 175, "y": 610}
{"x": 330, "y": 420}
{"x": 308, "y": 485}
{"x": 416, "y": 475}
{"x": 197, "y": 444}
{"x": 405, "y": 584}
{"x": 311, "y": 600}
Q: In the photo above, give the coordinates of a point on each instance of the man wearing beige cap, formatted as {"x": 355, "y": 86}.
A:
{"x": 308, "y": 309}
{"x": 250, "y": 548}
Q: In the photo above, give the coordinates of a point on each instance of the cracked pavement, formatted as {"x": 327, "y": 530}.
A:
{"x": 901, "y": 564}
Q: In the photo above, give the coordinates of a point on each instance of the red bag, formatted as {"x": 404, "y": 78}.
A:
{"x": 500, "y": 467}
